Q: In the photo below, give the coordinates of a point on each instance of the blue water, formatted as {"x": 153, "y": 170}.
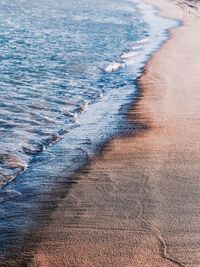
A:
{"x": 53, "y": 58}
{"x": 67, "y": 68}
{"x": 58, "y": 58}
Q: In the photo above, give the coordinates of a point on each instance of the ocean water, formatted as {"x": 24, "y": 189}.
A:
{"x": 67, "y": 70}
{"x": 59, "y": 59}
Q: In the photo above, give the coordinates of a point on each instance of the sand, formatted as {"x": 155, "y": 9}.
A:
{"x": 138, "y": 204}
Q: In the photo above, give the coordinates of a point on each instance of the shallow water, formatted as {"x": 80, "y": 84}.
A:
{"x": 58, "y": 58}
{"x": 67, "y": 71}
{"x": 53, "y": 56}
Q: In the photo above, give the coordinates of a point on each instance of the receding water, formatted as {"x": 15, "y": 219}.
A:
{"x": 59, "y": 58}
{"x": 67, "y": 67}
{"x": 53, "y": 55}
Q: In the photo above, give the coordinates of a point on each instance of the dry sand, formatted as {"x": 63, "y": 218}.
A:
{"x": 138, "y": 203}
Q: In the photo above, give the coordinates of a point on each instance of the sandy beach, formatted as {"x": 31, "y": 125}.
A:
{"x": 137, "y": 204}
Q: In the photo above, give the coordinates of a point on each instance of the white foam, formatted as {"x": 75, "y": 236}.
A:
{"x": 100, "y": 94}
{"x": 137, "y": 47}
{"x": 142, "y": 41}
{"x": 129, "y": 55}
{"x": 114, "y": 66}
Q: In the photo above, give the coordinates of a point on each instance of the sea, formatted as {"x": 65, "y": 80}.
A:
{"x": 68, "y": 73}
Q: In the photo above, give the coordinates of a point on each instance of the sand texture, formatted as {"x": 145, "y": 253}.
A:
{"x": 138, "y": 203}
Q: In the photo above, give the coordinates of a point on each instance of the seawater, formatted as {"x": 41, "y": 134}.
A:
{"x": 67, "y": 68}
{"x": 60, "y": 59}
{"x": 57, "y": 59}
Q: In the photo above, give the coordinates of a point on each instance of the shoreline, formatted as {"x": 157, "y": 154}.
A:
{"x": 21, "y": 230}
{"x": 110, "y": 217}
{"x": 57, "y": 137}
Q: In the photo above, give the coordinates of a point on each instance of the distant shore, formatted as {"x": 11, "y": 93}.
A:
{"x": 137, "y": 204}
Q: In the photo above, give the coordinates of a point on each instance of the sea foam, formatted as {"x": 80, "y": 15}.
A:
{"x": 114, "y": 66}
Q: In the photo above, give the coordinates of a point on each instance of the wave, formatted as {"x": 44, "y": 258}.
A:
{"x": 130, "y": 55}
{"x": 66, "y": 73}
{"x": 114, "y": 66}
{"x": 142, "y": 41}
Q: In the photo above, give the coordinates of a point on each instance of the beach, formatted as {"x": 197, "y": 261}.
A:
{"x": 137, "y": 203}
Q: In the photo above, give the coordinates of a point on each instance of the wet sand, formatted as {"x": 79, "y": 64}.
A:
{"x": 138, "y": 203}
